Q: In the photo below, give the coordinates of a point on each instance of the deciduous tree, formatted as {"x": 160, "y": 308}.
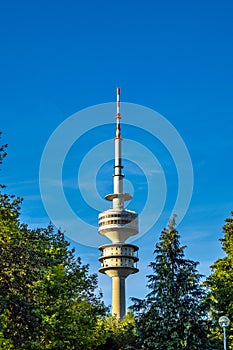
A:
{"x": 220, "y": 283}
{"x": 48, "y": 298}
{"x": 118, "y": 334}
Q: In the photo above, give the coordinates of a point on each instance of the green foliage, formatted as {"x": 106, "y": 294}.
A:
{"x": 117, "y": 334}
{"x": 48, "y": 299}
{"x": 2, "y": 150}
{"x": 172, "y": 316}
{"x": 220, "y": 283}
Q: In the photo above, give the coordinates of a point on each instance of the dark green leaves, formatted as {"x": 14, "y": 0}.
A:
{"x": 172, "y": 316}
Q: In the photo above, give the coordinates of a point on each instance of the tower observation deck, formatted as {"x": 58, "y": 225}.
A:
{"x": 118, "y": 259}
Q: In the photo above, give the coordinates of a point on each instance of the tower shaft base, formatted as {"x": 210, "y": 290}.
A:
{"x": 118, "y": 296}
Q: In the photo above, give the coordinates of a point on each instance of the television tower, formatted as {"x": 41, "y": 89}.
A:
{"x": 118, "y": 259}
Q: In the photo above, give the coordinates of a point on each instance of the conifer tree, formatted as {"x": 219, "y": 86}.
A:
{"x": 220, "y": 283}
{"x": 172, "y": 316}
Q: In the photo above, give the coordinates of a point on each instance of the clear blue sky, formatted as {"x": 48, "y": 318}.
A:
{"x": 58, "y": 57}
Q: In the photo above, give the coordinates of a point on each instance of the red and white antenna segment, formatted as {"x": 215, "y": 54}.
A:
{"x": 118, "y": 115}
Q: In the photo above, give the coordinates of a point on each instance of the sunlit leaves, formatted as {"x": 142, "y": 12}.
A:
{"x": 47, "y": 297}
{"x": 220, "y": 283}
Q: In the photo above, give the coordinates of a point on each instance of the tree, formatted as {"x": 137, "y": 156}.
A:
{"x": 66, "y": 299}
{"x": 118, "y": 334}
{"x": 220, "y": 283}
{"x": 172, "y": 316}
{"x": 48, "y": 299}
